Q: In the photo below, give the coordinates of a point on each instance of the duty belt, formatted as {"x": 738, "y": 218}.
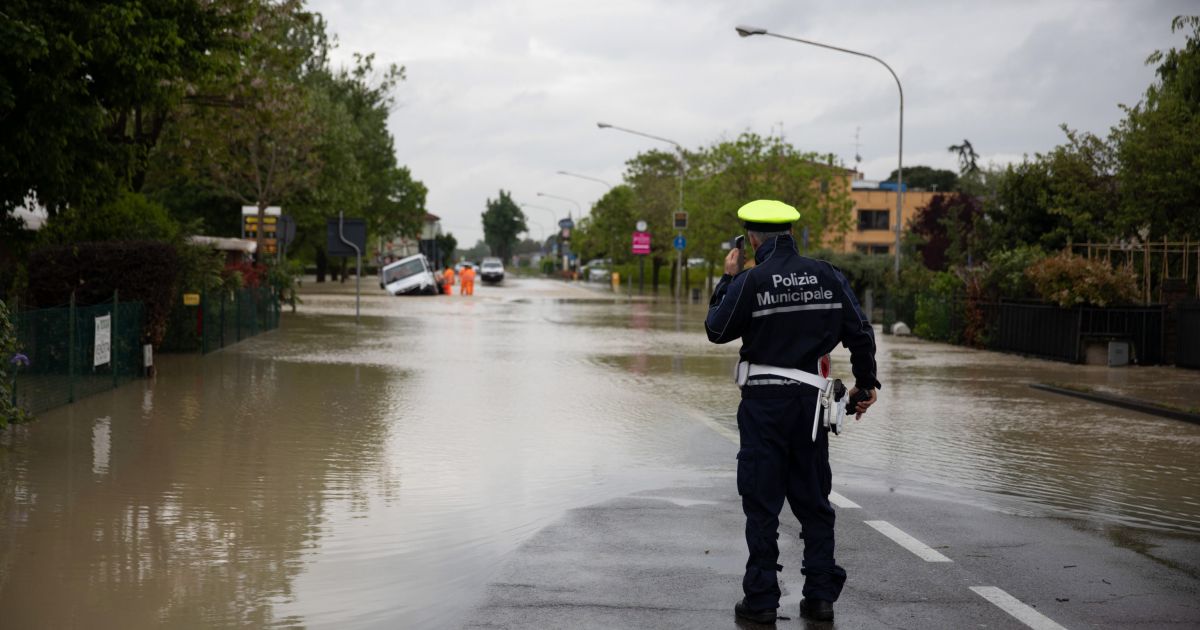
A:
{"x": 831, "y": 391}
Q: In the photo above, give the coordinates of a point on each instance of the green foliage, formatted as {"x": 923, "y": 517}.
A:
{"x": 927, "y": 178}
{"x": 1004, "y": 274}
{"x": 1158, "y": 146}
{"x": 129, "y": 217}
{"x": 86, "y": 89}
{"x": 502, "y": 222}
{"x": 938, "y": 315}
{"x": 447, "y": 245}
{"x": 143, "y": 271}
{"x": 10, "y": 362}
{"x": 283, "y": 279}
{"x": 1069, "y": 280}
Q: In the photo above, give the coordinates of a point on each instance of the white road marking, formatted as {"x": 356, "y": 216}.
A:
{"x": 731, "y": 435}
{"x": 922, "y": 551}
{"x": 1014, "y": 607}
{"x": 842, "y": 501}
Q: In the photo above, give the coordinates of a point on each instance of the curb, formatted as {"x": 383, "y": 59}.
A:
{"x": 1122, "y": 402}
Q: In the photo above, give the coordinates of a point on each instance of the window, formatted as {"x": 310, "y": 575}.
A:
{"x": 871, "y": 249}
{"x": 872, "y": 220}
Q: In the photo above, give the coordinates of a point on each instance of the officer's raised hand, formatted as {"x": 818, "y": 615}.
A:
{"x": 731, "y": 263}
{"x": 862, "y": 405}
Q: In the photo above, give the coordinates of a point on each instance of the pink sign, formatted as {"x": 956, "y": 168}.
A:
{"x": 641, "y": 243}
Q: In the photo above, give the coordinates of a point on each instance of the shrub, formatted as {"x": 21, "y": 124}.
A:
{"x": 130, "y": 217}
{"x": 142, "y": 271}
{"x": 1069, "y": 280}
{"x": 939, "y": 316}
{"x": 10, "y": 362}
{"x": 1004, "y": 274}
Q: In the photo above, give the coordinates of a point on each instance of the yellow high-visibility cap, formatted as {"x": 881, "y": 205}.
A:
{"x": 767, "y": 215}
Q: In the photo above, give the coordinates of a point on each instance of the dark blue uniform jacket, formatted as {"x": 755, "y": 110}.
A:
{"x": 789, "y": 311}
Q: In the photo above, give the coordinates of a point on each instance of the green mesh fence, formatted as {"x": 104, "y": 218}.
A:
{"x": 64, "y": 361}
{"x": 222, "y": 318}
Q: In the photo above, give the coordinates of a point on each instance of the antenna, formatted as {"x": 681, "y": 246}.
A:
{"x": 857, "y": 146}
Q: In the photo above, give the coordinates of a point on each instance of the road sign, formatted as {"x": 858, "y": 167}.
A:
{"x": 566, "y": 224}
{"x": 641, "y": 226}
{"x": 191, "y": 299}
{"x": 680, "y": 242}
{"x": 641, "y": 243}
{"x": 356, "y": 232}
{"x": 681, "y": 220}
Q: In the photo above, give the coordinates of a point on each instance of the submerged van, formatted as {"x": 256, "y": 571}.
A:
{"x": 409, "y": 276}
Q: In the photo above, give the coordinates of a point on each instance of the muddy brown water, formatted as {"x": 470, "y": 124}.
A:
{"x": 328, "y": 475}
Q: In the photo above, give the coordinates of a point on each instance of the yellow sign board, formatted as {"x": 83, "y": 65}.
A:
{"x": 191, "y": 299}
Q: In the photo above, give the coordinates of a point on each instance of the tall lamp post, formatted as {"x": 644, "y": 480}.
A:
{"x": 553, "y": 217}
{"x": 682, "y": 175}
{"x": 588, "y": 177}
{"x": 747, "y": 31}
{"x": 566, "y": 260}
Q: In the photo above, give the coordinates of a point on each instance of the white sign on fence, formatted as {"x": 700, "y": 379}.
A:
{"x": 147, "y": 355}
{"x": 103, "y": 340}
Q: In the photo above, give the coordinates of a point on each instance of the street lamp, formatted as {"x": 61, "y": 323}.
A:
{"x": 747, "y": 31}
{"x": 682, "y": 174}
{"x": 577, "y": 206}
{"x": 595, "y": 179}
{"x": 553, "y": 217}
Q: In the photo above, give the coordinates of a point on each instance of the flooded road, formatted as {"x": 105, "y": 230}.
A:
{"x": 374, "y": 476}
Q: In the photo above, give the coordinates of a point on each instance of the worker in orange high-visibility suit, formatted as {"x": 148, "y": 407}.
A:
{"x": 467, "y": 281}
{"x": 448, "y": 280}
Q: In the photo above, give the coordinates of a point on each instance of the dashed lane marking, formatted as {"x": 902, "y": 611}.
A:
{"x": 922, "y": 551}
{"x": 731, "y": 435}
{"x": 1016, "y": 608}
{"x": 842, "y": 501}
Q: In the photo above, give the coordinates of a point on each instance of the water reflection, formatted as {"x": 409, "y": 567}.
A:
{"x": 374, "y": 476}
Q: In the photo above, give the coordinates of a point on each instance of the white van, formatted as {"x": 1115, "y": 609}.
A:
{"x": 409, "y": 276}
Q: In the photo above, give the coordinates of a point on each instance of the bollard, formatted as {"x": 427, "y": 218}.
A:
{"x": 616, "y": 282}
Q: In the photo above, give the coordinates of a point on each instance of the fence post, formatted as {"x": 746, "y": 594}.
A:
{"x": 114, "y": 332}
{"x": 237, "y": 308}
{"x": 200, "y": 316}
{"x": 222, "y": 338}
{"x": 71, "y": 350}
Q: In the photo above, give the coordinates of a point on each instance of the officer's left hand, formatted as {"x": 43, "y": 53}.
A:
{"x": 863, "y": 405}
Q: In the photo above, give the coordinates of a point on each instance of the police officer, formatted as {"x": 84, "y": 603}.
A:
{"x": 789, "y": 311}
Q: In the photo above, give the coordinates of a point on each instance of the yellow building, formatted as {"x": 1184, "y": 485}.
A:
{"x": 873, "y": 218}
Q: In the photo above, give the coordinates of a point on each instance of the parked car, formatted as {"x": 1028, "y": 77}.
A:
{"x": 597, "y": 270}
{"x": 491, "y": 270}
{"x": 409, "y": 276}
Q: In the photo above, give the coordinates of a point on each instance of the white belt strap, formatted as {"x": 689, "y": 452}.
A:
{"x": 745, "y": 370}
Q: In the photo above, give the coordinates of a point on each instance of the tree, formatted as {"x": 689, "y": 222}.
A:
{"x": 1158, "y": 146}
{"x": 927, "y": 178}
{"x": 947, "y": 228}
{"x": 257, "y": 140}
{"x": 968, "y": 159}
{"x": 446, "y": 245}
{"x": 502, "y": 222}
{"x": 87, "y": 88}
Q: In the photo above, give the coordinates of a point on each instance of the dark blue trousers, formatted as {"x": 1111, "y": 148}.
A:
{"x": 779, "y": 460}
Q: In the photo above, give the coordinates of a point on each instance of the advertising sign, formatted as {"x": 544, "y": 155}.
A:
{"x": 641, "y": 243}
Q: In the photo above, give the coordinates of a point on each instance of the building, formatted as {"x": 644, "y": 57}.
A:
{"x": 873, "y": 216}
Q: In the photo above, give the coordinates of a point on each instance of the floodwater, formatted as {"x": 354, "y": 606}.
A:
{"x": 374, "y": 476}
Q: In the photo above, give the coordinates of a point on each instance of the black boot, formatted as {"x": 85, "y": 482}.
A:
{"x": 742, "y": 611}
{"x": 816, "y": 609}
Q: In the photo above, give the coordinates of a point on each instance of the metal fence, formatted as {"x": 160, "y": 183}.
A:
{"x": 1050, "y": 332}
{"x": 65, "y": 363}
{"x": 220, "y": 319}
{"x": 1187, "y": 335}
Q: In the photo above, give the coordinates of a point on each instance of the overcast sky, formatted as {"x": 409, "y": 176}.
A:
{"x": 503, "y": 94}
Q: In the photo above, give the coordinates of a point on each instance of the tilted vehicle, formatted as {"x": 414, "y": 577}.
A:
{"x": 409, "y": 276}
{"x": 491, "y": 270}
